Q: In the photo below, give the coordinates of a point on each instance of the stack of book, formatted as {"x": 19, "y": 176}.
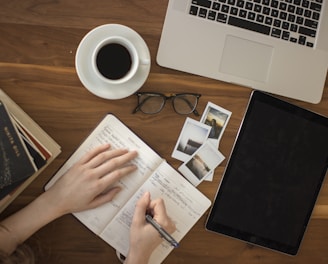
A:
{"x": 25, "y": 150}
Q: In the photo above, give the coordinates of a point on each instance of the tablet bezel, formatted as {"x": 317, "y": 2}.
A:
{"x": 249, "y": 237}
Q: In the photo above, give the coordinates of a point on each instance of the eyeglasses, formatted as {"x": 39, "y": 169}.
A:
{"x": 153, "y": 103}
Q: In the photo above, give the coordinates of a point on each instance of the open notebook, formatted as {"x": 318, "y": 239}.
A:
{"x": 184, "y": 203}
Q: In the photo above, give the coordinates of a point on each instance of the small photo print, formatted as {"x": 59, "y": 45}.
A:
{"x": 192, "y": 136}
{"x": 201, "y": 164}
{"x": 217, "y": 118}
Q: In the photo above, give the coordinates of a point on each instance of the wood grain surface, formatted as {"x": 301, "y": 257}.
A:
{"x": 38, "y": 43}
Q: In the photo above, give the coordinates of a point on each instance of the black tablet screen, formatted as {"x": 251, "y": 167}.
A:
{"x": 273, "y": 176}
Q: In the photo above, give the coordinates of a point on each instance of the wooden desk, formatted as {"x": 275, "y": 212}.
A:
{"x": 38, "y": 44}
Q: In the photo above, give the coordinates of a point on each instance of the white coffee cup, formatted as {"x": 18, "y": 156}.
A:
{"x": 115, "y": 60}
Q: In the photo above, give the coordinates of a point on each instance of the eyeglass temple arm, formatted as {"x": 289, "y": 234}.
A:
{"x": 195, "y": 112}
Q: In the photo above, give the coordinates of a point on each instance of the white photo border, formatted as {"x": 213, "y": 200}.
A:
{"x": 221, "y": 117}
{"x": 192, "y": 136}
{"x": 201, "y": 164}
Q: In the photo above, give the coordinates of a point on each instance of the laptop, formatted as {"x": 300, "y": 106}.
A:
{"x": 273, "y": 176}
{"x": 274, "y": 46}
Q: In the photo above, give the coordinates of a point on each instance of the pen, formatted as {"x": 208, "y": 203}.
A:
{"x": 164, "y": 234}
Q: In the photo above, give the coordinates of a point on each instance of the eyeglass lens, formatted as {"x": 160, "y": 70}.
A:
{"x": 184, "y": 103}
{"x": 151, "y": 103}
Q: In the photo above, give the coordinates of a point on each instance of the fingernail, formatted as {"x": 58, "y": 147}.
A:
{"x": 117, "y": 189}
{"x": 134, "y": 151}
{"x": 147, "y": 194}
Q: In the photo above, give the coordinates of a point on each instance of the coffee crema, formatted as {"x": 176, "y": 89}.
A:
{"x": 113, "y": 61}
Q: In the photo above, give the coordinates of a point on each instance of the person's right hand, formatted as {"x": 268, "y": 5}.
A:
{"x": 144, "y": 238}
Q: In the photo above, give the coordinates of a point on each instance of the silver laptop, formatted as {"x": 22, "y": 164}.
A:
{"x": 279, "y": 47}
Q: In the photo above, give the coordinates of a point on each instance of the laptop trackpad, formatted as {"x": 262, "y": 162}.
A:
{"x": 180, "y": 5}
{"x": 246, "y": 59}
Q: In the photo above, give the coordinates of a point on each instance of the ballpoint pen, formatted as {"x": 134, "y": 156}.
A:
{"x": 164, "y": 234}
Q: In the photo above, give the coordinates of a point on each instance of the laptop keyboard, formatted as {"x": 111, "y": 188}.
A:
{"x": 290, "y": 20}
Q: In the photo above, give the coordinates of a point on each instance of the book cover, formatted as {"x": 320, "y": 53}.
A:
{"x": 16, "y": 162}
{"x": 41, "y": 147}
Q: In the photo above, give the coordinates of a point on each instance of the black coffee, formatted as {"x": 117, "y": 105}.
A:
{"x": 113, "y": 61}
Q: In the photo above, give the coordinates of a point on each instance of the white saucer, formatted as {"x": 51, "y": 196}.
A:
{"x": 83, "y": 62}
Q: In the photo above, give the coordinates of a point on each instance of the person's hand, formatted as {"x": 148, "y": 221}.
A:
{"x": 89, "y": 183}
{"x": 144, "y": 238}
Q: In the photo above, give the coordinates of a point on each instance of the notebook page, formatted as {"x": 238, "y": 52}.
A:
{"x": 183, "y": 202}
{"x": 113, "y": 131}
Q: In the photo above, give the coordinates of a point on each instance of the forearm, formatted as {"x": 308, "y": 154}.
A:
{"x": 21, "y": 225}
{"x": 84, "y": 186}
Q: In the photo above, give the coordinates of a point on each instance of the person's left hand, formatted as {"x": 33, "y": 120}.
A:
{"x": 89, "y": 183}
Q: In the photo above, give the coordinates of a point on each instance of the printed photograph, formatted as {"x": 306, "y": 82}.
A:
{"x": 217, "y": 118}
{"x": 201, "y": 164}
{"x": 198, "y": 167}
{"x": 192, "y": 136}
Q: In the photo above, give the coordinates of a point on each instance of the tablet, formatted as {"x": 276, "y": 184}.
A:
{"x": 273, "y": 176}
